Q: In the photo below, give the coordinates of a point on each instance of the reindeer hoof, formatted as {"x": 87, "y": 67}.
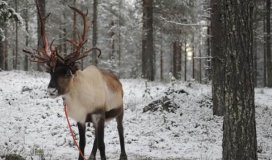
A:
{"x": 123, "y": 157}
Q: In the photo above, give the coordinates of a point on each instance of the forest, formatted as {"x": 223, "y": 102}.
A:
{"x": 195, "y": 75}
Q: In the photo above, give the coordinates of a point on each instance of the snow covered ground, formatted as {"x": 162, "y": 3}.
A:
{"x": 34, "y": 126}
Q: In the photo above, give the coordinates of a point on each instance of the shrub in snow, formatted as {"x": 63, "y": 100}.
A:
{"x": 13, "y": 157}
{"x": 165, "y": 103}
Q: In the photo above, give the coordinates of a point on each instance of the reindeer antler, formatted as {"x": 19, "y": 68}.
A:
{"x": 46, "y": 54}
{"x": 49, "y": 55}
{"x": 77, "y": 55}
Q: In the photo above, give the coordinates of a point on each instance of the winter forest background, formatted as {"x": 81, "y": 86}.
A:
{"x": 181, "y": 36}
{"x": 187, "y": 67}
{"x": 179, "y": 26}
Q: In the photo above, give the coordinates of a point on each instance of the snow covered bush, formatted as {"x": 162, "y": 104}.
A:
{"x": 7, "y": 14}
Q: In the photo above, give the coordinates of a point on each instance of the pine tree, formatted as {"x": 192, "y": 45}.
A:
{"x": 239, "y": 128}
{"x": 147, "y": 41}
{"x": 217, "y": 58}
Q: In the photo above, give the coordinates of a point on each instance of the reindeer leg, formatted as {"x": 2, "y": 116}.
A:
{"x": 82, "y": 138}
{"x": 119, "y": 120}
{"x": 99, "y": 122}
{"x": 93, "y": 153}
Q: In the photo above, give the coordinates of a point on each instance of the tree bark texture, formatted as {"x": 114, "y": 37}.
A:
{"x": 268, "y": 43}
{"x": 193, "y": 62}
{"x": 2, "y": 48}
{"x": 2, "y": 54}
{"x": 265, "y": 56}
{"x": 185, "y": 60}
{"x": 176, "y": 60}
{"x": 65, "y": 50}
{"x": 217, "y": 58}
{"x": 95, "y": 27}
{"x": 119, "y": 52}
{"x": 26, "y": 39}
{"x": 208, "y": 70}
{"x": 239, "y": 135}
{"x": 161, "y": 58}
{"x": 41, "y": 5}
{"x": 200, "y": 66}
{"x": 6, "y": 44}
{"x": 147, "y": 41}
{"x": 16, "y": 38}
{"x": 74, "y": 23}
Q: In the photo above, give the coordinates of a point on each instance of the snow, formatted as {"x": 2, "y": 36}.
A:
{"x": 34, "y": 126}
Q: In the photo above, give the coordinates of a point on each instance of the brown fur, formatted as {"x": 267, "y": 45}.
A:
{"x": 112, "y": 81}
{"x": 91, "y": 90}
{"x": 108, "y": 115}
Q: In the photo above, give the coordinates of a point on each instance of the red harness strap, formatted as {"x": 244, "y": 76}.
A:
{"x": 72, "y": 132}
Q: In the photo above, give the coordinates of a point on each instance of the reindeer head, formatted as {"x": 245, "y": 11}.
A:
{"x": 60, "y": 68}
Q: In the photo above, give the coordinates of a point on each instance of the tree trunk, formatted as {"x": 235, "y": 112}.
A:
{"x": 13, "y": 59}
{"x": 185, "y": 60}
{"x": 200, "y": 66}
{"x": 264, "y": 55}
{"x": 26, "y": 39}
{"x": 65, "y": 50}
{"x": 16, "y": 38}
{"x": 74, "y": 23}
{"x": 193, "y": 59}
{"x": 268, "y": 43}
{"x": 1, "y": 54}
{"x": 6, "y": 52}
{"x": 239, "y": 126}
{"x": 112, "y": 44}
{"x": 147, "y": 41}
{"x": 255, "y": 47}
{"x": 119, "y": 33}
{"x": 176, "y": 60}
{"x": 94, "y": 53}
{"x": 208, "y": 70}
{"x": 218, "y": 72}
{"x": 161, "y": 63}
{"x": 41, "y": 5}
{"x": 2, "y": 48}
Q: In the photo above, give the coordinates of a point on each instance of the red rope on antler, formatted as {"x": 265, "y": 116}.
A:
{"x": 72, "y": 132}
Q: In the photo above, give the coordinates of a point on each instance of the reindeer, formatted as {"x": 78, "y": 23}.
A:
{"x": 91, "y": 95}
